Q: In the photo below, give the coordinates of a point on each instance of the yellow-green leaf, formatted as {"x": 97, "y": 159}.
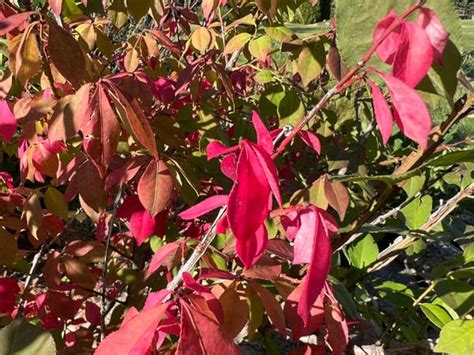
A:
{"x": 236, "y": 42}
{"x": 311, "y": 61}
{"x": 55, "y": 203}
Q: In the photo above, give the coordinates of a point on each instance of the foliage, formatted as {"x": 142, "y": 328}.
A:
{"x": 199, "y": 175}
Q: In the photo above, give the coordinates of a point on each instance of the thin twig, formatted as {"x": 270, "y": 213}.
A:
{"x": 401, "y": 244}
{"x": 106, "y": 260}
{"x": 31, "y": 273}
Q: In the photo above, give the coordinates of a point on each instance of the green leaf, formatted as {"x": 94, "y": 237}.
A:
{"x": 413, "y": 185}
{"x": 462, "y": 156}
{"x": 55, "y": 203}
{"x": 457, "y": 337}
{"x": 356, "y": 21}
{"x": 364, "y": 252}
{"x": 236, "y": 42}
{"x": 468, "y": 253}
{"x": 260, "y": 47}
{"x": 21, "y": 337}
{"x": 311, "y": 60}
{"x": 290, "y": 109}
{"x": 138, "y": 9}
{"x": 417, "y": 212}
{"x": 264, "y": 76}
{"x": 308, "y": 30}
{"x": 457, "y": 294}
{"x": 279, "y": 33}
{"x": 436, "y": 314}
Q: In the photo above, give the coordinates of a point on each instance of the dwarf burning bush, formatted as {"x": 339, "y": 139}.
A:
{"x": 200, "y": 177}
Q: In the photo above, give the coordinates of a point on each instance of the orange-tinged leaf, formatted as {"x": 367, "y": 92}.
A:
{"x": 78, "y": 272}
{"x": 33, "y": 213}
{"x": 208, "y": 6}
{"x": 155, "y": 187}
{"x": 202, "y": 335}
{"x": 236, "y": 311}
{"x": 337, "y": 196}
{"x": 9, "y": 248}
{"x": 68, "y": 115}
{"x": 135, "y": 121}
{"x": 101, "y": 130}
{"x": 131, "y": 60}
{"x": 66, "y": 54}
{"x": 271, "y": 305}
{"x": 28, "y": 57}
{"x": 201, "y": 39}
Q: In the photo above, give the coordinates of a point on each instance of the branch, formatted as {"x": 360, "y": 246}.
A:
{"x": 347, "y": 79}
{"x": 106, "y": 261}
{"x": 400, "y": 244}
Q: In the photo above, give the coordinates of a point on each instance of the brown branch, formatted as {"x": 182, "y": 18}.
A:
{"x": 401, "y": 244}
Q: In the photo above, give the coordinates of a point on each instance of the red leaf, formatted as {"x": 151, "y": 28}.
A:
{"x": 248, "y": 199}
{"x": 337, "y": 196}
{"x": 155, "y": 187}
{"x": 162, "y": 255}
{"x": 411, "y": 113}
{"x": 202, "y": 335}
{"x": 272, "y": 307}
{"x": 437, "y": 34}
{"x": 389, "y": 46}
{"x": 11, "y": 22}
{"x": 414, "y": 55}
{"x": 320, "y": 262}
{"x": 61, "y": 305}
{"x": 8, "y": 289}
{"x": 216, "y": 148}
{"x": 7, "y": 121}
{"x": 93, "y": 315}
{"x": 135, "y": 335}
{"x": 264, "y": 138}
{"x": 383, "y": 114}
{"x": 295, "y": 322}
{"x": 310, "y": 139}
{"x": 203, "y": 207}
{"x": 252, "y": 248}
{"x": 229, "y": 166}
{"x": 269, "y": 168}
{"x": 142, "y": 225}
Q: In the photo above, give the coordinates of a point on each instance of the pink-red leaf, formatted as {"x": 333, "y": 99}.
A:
{"x": 135, "y": 335}
{"x": 248, "y": 199}
{"x": 310, "y": 139}
{"x": 11, "y": 22}
{"x": 437, "y": 34}
{"x": 414, "y": 55}
{"x": 263, "y": 135}
{"x": 7, "y": 121}
{"x": 389, "y": 46}
{"x": 204, "y": 207}
{"x": 162, "y": 255}
{"x": 155, "y": 187}
{"x": 319, "y": 267}
{"x": 252, "y": 248}
{"x": 411, "y": 113}
{"x": 216, "y": 148}
{"x": 269, "y": 168}
{"x": 383, "y": 114}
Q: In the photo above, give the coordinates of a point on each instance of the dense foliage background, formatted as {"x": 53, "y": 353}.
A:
{"x": 270, "y": 176}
